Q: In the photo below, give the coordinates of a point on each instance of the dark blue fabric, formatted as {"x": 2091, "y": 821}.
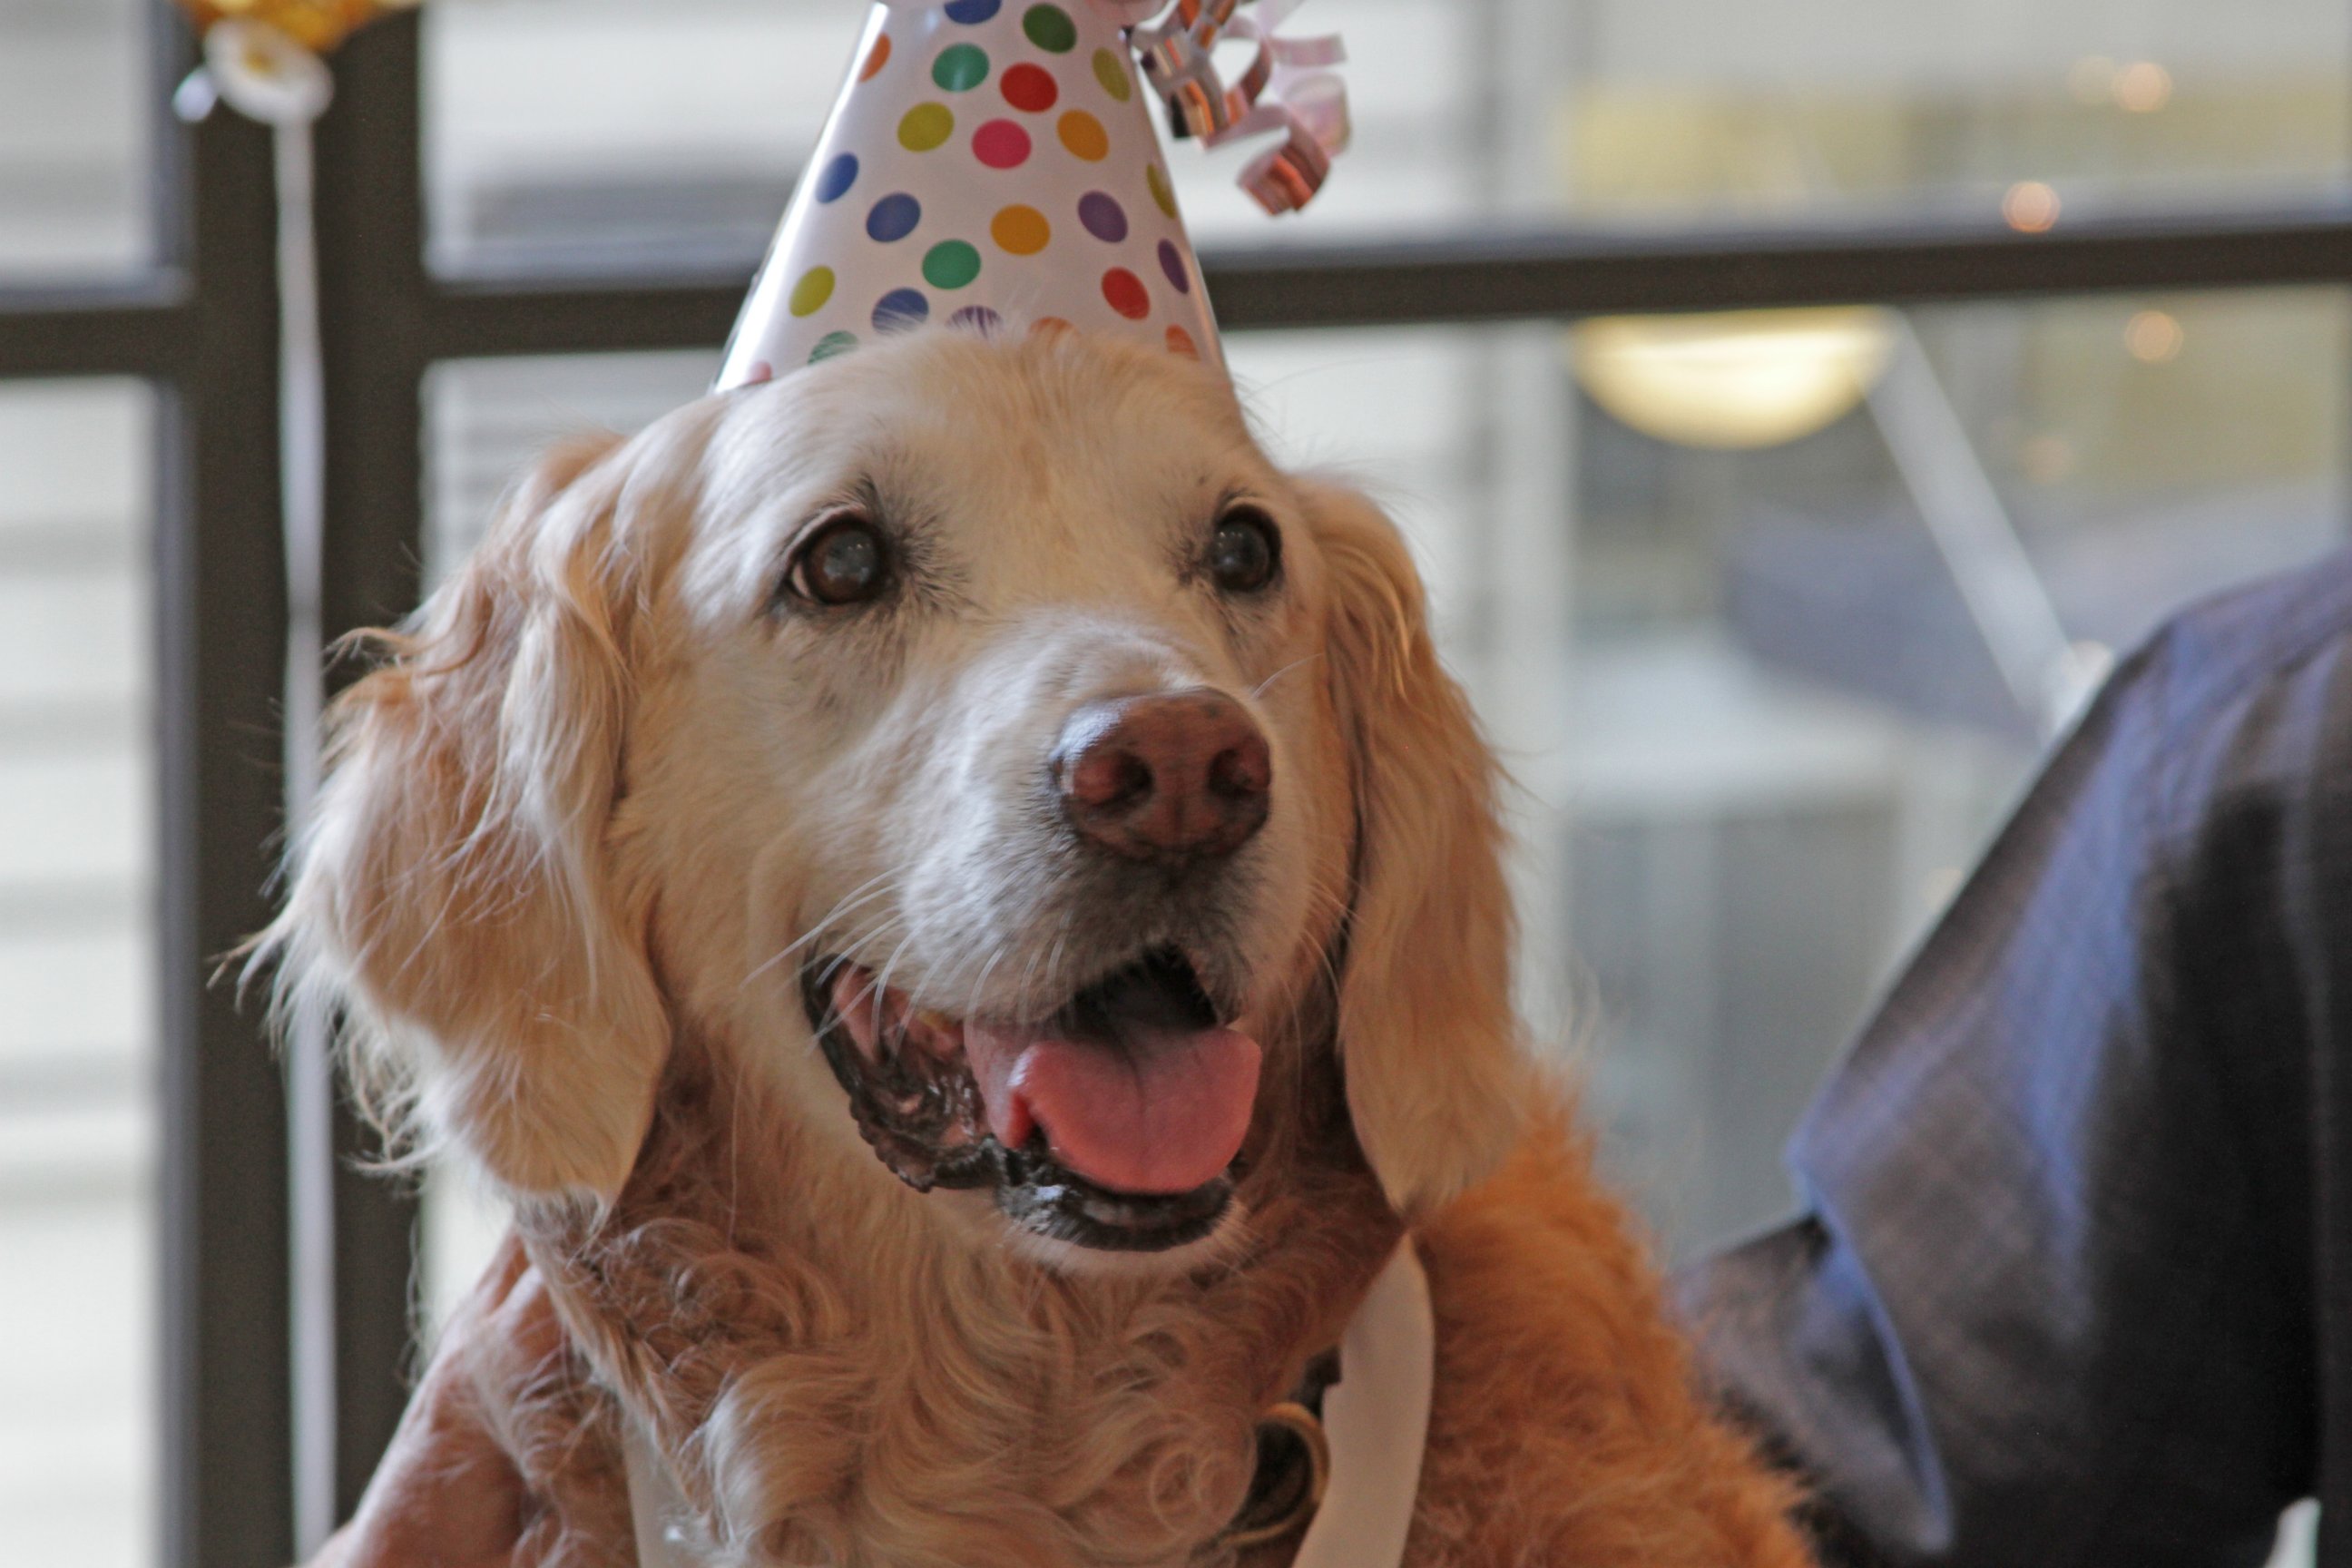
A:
{"x": 2071, "y": 1286}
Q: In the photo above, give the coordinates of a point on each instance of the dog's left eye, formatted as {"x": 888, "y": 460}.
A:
{"x": 1245, "y": 551}
{"x": 844, "y": 562}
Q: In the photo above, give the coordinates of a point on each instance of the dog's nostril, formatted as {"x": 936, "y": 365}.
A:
{"x": 1246, "y": 769}
{"x": 1178, "y": 774}
{"x": 1106, "y": 776}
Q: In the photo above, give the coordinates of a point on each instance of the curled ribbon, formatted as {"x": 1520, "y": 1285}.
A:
{"x": 1288, "y": 88}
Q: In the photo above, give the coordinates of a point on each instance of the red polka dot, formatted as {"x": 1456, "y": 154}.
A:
{"x": 1001, "y": 144}
{"x": 1179, "y": 341}
{"x": 1125, "y": 294}
{"x": 1030, "y": 89}
{"x": 760, "y": 370}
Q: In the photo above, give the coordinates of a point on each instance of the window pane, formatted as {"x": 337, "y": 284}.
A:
{"x": 1667, "y": 107}
{"x": 78, "y": 1333}
{"x": 75, "y": 123}
{"x": 663, "y": 132}
{"x": 682, "y": 127}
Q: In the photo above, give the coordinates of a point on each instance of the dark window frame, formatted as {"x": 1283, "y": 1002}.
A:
{"x": 202, "y": 326}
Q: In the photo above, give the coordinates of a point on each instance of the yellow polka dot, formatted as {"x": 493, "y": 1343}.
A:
{"x": 1084, "y": 136}
{"x": 926, "y": 126}
{"x": 1023, "y": 230}
{"x": 1160, "y": 194}
{"x": 1111, "y": 72}
{"x": 812, "y": 291}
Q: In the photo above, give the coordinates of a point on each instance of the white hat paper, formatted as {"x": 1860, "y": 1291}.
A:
{"x": 995, "y": 165}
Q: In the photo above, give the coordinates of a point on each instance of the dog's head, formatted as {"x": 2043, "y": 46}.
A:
{"x": 985, "y": 740}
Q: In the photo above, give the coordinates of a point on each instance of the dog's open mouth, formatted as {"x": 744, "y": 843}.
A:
{"x": 1114, "y": 1123}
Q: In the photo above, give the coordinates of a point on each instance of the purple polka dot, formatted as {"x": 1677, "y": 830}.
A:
{"x": 901, "y": 308}
{"x": 1172, "y": 262}
{"x": 977, "y": 319}
{"x": 838, "y": 176}
{"x": 894, "y": 218}
{"x": 1104, "y": 217}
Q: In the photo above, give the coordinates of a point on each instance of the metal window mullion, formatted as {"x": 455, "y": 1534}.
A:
{"x": 1535, "y": 274}
{"x": 144, "y": 328}
{"x": 226, "y": 1451}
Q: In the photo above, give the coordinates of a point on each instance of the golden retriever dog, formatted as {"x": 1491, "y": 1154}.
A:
{"x": 957, "y": 904}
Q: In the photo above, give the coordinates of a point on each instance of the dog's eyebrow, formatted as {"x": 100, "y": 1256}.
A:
{"x": 862, "y": 494}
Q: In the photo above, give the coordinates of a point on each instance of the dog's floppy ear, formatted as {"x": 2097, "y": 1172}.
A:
{"x": 452, "y": 893}
{"x": 1436, "y": 1074}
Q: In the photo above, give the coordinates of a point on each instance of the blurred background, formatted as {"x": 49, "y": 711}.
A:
{"x": 1771, "y": 612}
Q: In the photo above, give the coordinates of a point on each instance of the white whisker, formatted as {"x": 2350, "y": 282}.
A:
{"x": 857, "y": 899}
{"x": 1260, "y": 688}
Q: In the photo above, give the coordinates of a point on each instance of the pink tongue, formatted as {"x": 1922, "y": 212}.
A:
{"x": 1164, "y": 1115}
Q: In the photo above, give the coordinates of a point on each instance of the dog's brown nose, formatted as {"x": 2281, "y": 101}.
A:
{"x": 1178, "y": 774}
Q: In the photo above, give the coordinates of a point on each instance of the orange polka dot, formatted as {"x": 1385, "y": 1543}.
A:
{"x": 876, "y": 59}
{"x": 1084, "y": 136}
{"x": 1048, "y": 326}
{"x": 1179, "y": 341}
{"x": 1023, "y": 230}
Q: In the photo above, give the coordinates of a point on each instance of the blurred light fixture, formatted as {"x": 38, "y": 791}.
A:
{"x": 1735, "y": 381}
{"x": 2152, "y": 337}
{"x": 2143, "y": 87}
{"x": 2030, "y": 206}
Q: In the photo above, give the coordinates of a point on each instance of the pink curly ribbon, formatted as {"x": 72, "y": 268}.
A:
{"x": 1288, "y": 88}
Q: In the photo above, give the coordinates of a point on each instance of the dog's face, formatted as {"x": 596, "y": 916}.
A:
{"x": 988, "y": 742}
{"x": 1037, "y": 798}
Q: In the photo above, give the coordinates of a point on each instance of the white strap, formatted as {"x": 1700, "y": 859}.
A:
{"x": 1376, "y": 1418}
{"x": 665, "y": 1525}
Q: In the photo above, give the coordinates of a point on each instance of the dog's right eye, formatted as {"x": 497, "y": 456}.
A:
{"x": 843, "y": 562}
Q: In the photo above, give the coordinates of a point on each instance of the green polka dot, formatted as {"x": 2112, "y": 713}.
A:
{"x": 950, "y": 264}
{"x": 961, "y": 69}
{"x": 1112, "y": 74}
{"x": 926, "y": 125}
{"x": 831, "y": 346}
{"x": 1160, "y": 194}
{"x": 1050, "y": 29}
{"x": 812, "y": 291}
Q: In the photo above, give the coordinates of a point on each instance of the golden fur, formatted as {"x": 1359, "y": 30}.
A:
{"x": 598, "y": 794}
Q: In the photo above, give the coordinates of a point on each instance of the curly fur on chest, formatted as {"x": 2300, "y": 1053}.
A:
{"x": 838, "y": 1383}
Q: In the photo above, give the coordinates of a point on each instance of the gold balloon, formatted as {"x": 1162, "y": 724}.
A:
{"x": 316, "y": 25}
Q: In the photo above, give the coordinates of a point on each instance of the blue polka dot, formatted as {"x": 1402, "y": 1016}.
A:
{"x": 894, "y": 218}
{"x": 972, "y": 13}
{"x": 838, "y": 176}
{"x": 901, "y": 308}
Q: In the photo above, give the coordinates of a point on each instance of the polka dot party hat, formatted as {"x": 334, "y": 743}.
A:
{"x": 995, "y": 165}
